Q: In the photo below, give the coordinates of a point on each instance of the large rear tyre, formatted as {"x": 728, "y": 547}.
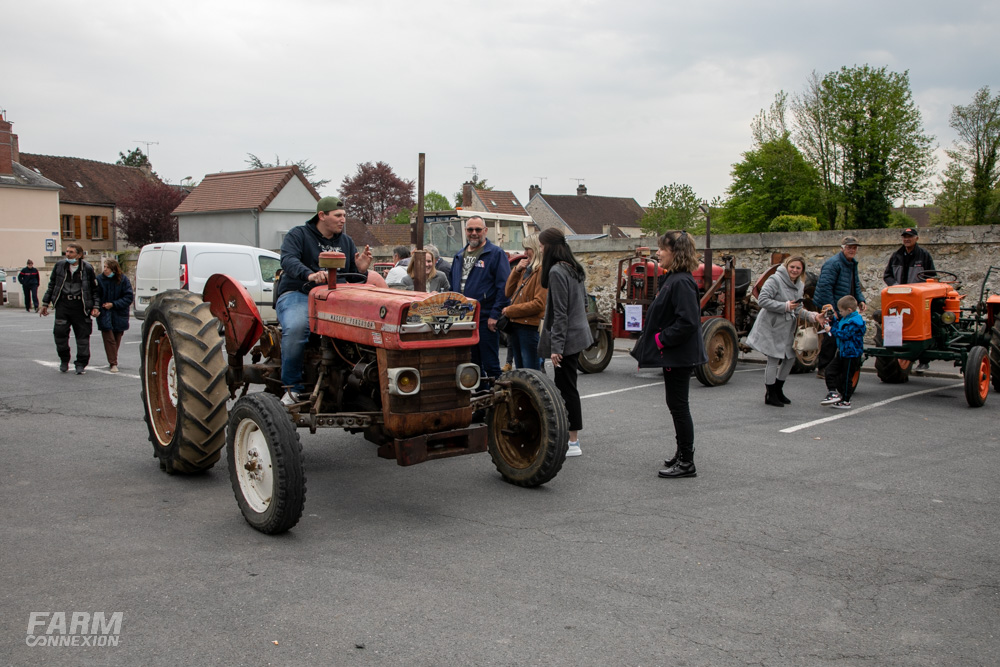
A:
{"x": 995, "y": 355}
{"x": 265, "y": 464}
{"x": 184, "y": 389}
{"x": 597, "y": 357}
{"x": 893, "y": 371}
{"x": 720, "y": 346}
{"x": 529, "y": 432}
{"x": 977, "y": 376}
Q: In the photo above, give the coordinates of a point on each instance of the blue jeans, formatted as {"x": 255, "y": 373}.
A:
{"x": 523, "y": 340}
{"x": 293, "y": 316}
{"x": 487, "y": 353}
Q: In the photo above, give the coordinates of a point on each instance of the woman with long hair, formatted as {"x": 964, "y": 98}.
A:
{"x": 566, "y": 331}
{"x": 434, "y": 280}
{"x": 527, "y": 305}
{"x": 773, "y": 331}
{"x": 672, "y": 340}
{"x": 115, "y": 297}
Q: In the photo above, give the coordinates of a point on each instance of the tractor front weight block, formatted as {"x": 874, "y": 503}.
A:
{"x": 421, "y": 448}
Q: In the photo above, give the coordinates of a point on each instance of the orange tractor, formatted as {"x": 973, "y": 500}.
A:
{"x": 394, "y": 366}
{"x": 935, "y": 326}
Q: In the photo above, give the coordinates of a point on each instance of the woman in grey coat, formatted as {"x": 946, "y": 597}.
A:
{"x": 773, "y": 332}
{"x": 565, "y": 330}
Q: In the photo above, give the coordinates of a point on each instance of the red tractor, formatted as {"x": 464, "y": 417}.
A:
{"x": 394, "y": 366}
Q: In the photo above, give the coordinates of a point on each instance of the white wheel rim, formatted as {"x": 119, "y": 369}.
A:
{"x": 253, "y": 465}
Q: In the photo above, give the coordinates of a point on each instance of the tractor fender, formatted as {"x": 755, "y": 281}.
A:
{"x": 232, "y": 304}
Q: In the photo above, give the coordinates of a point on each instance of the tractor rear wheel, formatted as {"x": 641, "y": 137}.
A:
{"x": 529, "y": 432}
{"x": 995, "y": 355}
{"x": 184, "y": 389}
{"x": 265, "y": 463}
{"x": 597, "y": 357}
{"x": 977, "y": 376}
{"x": 893, "y": 371}
{"x": 720, "y": 346}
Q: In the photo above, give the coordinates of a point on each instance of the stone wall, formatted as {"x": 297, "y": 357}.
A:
{"x": 965, "y": 251}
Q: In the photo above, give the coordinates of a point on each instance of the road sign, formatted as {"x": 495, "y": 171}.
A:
{"x": 50, "y": 245}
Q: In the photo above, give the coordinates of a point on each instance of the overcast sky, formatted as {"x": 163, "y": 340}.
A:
{"x": 627, "y": 95}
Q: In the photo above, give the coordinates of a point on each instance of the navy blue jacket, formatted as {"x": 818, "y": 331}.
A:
{"x": 486, "y": 281}
{"x": 675, "y": 314}
{"x": 300, "y": 256}
{"x": 835, "y": 281}
{"x": 111, "y": 291}
{"x": 28, "y": 277}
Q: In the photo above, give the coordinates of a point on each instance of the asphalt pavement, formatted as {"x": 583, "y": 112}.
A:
{"x": 810, "y": 536}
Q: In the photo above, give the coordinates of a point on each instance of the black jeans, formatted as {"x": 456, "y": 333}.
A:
{"x": 565, "y": 377}
{"x": 677, "y": 384}
{"x": 70, "y": 315}
{"x": 838, "y": 375}
{"x": 827, "y": 351}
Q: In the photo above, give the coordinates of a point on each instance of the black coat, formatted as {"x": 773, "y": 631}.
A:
{"x": 675, "y": 314}
{"x": 922, "y": 261}
{"x": 117, "y": 293}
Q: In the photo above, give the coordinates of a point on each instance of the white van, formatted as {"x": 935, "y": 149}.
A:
{"x": 182, "y": 265}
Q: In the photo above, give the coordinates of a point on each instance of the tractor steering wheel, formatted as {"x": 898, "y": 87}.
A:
{"x": 352, "y": 277}
{"x": 924, "y": 275}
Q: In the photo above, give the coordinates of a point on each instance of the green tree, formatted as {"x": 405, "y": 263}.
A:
{"x": 954, "y": 197}
{"x": 134, "y": 158}
{"x": 771, "y": 124}
{"x": 861, "y": 129}
{"x": 674, "y": 206}
{"x": 308, "y": 170}
{"x": 977, "y": 149}
{"x": 772, "y": 180}
{"x": 435, "y": 201}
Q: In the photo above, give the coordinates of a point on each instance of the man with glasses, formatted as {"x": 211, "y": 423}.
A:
{"x": 480, "y": 271}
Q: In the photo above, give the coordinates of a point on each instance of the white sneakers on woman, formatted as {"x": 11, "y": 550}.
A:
{"x": 574, "y": 450}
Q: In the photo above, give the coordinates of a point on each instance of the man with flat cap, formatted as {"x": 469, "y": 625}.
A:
{"x": 324, "y": 232}
{"x": 906, "y": 264}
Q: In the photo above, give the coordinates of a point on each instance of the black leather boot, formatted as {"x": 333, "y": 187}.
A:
{"x": 771, "y": 397}
{"x": 669, "y": 463}
{"x": 779, "y": 391}
{"x": 680, "y": 469}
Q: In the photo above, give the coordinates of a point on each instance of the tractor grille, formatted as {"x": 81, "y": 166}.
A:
{"x": 438, "y": 389}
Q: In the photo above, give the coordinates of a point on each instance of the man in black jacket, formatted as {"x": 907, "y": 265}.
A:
{"x": 324, "y": 232}
{"x": 908, "y": 261}
{"x": 905, "y": 265}
{"x": 28, "y": 277}
{"x": 73, "y": 292}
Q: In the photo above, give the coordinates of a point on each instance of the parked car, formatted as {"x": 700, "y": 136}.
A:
{"x": 184, "y": 265}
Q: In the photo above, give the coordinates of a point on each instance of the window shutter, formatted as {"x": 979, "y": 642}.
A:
{"x": 104, "y": 227}
{"x": 76, "y": 226}
{"x": 90, "y": 231}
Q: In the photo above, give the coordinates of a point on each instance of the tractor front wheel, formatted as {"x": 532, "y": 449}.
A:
{"x": 893, "y": 371}
{"x": 977, "y": 376}
{"x": 529, "y": 431}
{"x": 265, "y": 463}
{"x": 720, "y": 346}
{"x": 597, "y": 357}
{"x": 184, "y": 389}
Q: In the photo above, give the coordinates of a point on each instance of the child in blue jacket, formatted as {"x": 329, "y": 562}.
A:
{"x": 849, "y": 331}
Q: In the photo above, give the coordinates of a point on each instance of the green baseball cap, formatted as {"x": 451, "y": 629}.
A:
{"x": 327, "y": 204}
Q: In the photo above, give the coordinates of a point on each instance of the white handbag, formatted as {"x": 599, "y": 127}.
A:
{"x": 806, "y": 339}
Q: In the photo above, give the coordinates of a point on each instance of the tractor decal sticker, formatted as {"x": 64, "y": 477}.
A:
{"x": 376, "y": 338}
{"x": 447, "y": 308}
{"x": 390, "y": 328}
{"x": 349, "y": 321}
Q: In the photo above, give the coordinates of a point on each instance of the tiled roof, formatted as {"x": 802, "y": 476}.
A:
{"x": 252, "y": 189}
{"x": 500, "y": 201}
{"x": 27, "y": 178}
{"x": 390, "y": 234}
{"x": 587, "y": 214}
{"x": 86, "y": 181}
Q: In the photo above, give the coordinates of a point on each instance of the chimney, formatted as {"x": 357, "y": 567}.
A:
{"x": 581, "y": 189}
{"x": 8, "y": 148}
{"x": 534, "y": 190}
{"x": 467, "y": 194}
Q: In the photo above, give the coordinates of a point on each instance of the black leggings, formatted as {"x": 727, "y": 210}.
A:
{"x": 565, "y": 377}
{"x": 677, "y": 384}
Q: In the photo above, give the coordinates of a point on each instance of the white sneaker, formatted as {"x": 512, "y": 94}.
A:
{"x": 290, "y": 398}
{"x": 574, "y": 450}
{"x": 113, "y": 369}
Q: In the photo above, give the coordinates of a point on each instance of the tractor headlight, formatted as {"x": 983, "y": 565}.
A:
{"x": 948, "y": 318}
{"x": 403, "y": 381}
{"x": 467, "y": 376}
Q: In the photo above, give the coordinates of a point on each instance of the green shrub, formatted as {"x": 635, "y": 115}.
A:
{"x": 794, "y": 223}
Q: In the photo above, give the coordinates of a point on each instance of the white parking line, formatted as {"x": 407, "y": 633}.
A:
{"x": 793, "y": 429}
{"x": 618, "y": 391}
{"x": 90, "y": 369}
